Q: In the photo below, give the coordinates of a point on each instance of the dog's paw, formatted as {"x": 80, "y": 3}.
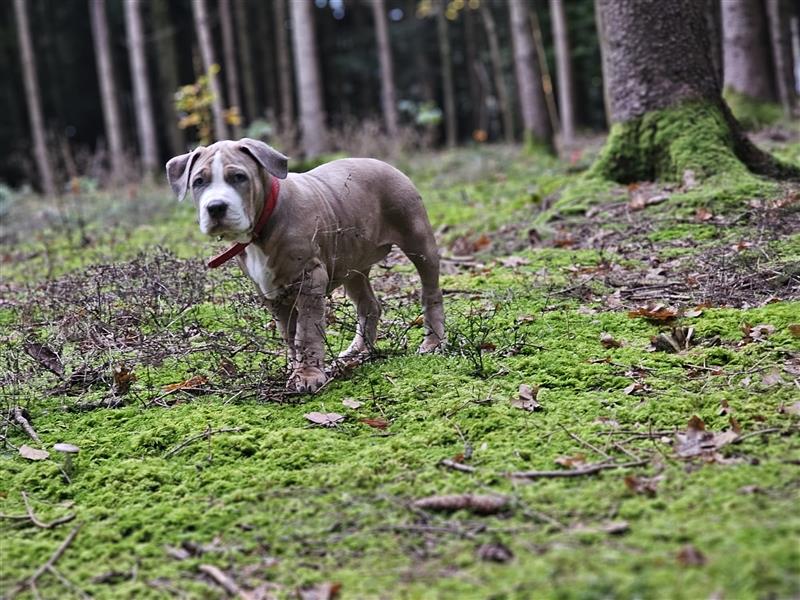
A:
{"x": 431, "y": 344}
{"x": 307, "y": 379}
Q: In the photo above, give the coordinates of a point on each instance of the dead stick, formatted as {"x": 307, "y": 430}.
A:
{"x": 590, "y": 470}
{"x": 457, "y": 466}
{"x": 583, "y": 442}
{"x": 20, "y": 420}
{"x": 42, "y": 524}
{"x": 205, "y": 435}
{"x": 228, "y": 584}
{"x": 30, "y": 582}
{"x": 763, "y": 431}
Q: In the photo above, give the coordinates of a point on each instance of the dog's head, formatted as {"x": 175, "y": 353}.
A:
{"x": 228, "y": 181}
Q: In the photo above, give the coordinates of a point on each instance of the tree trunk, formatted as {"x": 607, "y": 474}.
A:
{"x": 282, "y": 51}
{"x": 665, "y": 98}
{"x": 168, "y": 80}
{"x": 533, "y": 104}
{"x": 566, "y": 88}
{"x": 108, "y": 87}
{"x": 250, "y": 109}
{"x": 31, "y": 81}
{"x": 501, "y": 89}
{"x": 448, "y": 93}
{"x": 388, "y": 95}
{"x": 779, "y": 16}
{"x": 309, "y": 86}
{"x": 713, "y": 15}
{"x": 746, "y": 51}
{"x": 207, "y": 53}
{"x": 472, "y": 66}
{"x": 229, "y": 57}
{"x": 141, "y": 86}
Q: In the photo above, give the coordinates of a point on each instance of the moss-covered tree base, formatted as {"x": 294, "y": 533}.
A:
{"x": 702, "y": 137}
{"x": 751, "y": 112}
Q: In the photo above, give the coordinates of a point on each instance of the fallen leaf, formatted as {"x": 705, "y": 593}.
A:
{"x": 377, "y": 423}
{"x": 608, "y": 341}
{"x": 607, "y": 422}
{"x": 703, "y": 214}
{"x": 190, "y": 384}
{"x": 772, "y": 378}
{"x": 512, "y": 262}
{"x": 689, "y": 179}
{"x": 351, "y": 403}
{"x": 483, "y": 242}
{"x": 658, "y": 312}
{"x": 480, "y": 504}
{"x": 572, "y": 462}
{"x": 696, "y": 441}
{"x": 792, "y": 409}
{"x": 527, "y": 398}
{"x": 724, "y": 408}
{"x": 45, "y": 357}
{"x": 642, "y": 485}
{"x": 690, "y": 556}
{"x": 794, "y": 329}
{"x": 325, "y": 419}
{"x": 615, "y": 527}
{"x": 123, "y": 378}
{"x": 677, "y": 339}
{"x": 321, "y": 591}
{"x": 495, "y": 552}
{"x": 693, "y": 312}
{"x": 30, "y": 453}
{"x": 636, "y": 386}
{"x": 228, "y": 368}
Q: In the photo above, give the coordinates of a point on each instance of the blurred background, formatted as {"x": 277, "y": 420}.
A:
{"x": 116, "y": 87}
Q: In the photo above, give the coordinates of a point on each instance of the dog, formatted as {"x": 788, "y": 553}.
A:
{"x": 299, "y": 236}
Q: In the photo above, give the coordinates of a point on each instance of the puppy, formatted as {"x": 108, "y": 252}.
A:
{"x": 300, "y": 236}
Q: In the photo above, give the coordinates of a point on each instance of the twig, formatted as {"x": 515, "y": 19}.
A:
{"x": 457, "y": 466}
{"x": 589, "y": 470}
{"x": 42, "y": 524}
{"x": 586, "y": 444}
{"x": 30, "y": 582}
{"x": 20, "y": 420}
{"x": 761, "y": 432}
{"x": 225, "y": 582}
{"x": 205, "y": 435}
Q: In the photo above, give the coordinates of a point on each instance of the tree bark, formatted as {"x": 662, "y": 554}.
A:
{"x": 229, "y": 58}
{"x": 282, "y": 51}
{"x": 250, "y": 109}
{"x": 533, "y": 105}
{"x": 665, "y": 98}
{"x": 388, "y": 95}
{"x": 746, "y": 50}
{"x": 497, "y": 68}
{"x": 108, "y": 87}
{"x": 448, "y": 93}
{"x": 779, "y": 17}
{"x": 141, "y": 86}
{"x": 566, "y": 88}
{"x": 309, "y": 85}
{"x": 168, "y": 80}
{"x": 31, "y": 81}
{"x": 472, "y": 66}
{"x": 207, "y": 53}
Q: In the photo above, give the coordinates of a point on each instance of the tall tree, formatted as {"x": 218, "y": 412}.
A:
{"x": 388, "y": 95}
{"x": 282, "y": 51}
{"x": 168, "y": 80}
{"x": 472, "y": 66}
{"x": 779, "y": 15}
{"x": 566, "y": 88}
{"x": 229, "y": 58}
{"x": 33, "y": 98}
{"x": 203, "y": 29}
{"x": 746, "y": 51}
{"x": 495, "y": 56}
{"x": 448, "y": 91}
{"x": 108, "y": 87}
{"x": 309, "y": 86}
{"x": 535, "y": 117}
{"x": 250, "y": 109}
{"x": 666, "y": 99}
{"x": 145, "y": 123}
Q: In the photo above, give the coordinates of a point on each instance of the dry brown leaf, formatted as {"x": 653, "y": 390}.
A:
{"x": 608, "y": 341}
{"x": 527, "y": 398}
{"x": 31, "y": 453}
{"x": 794, "y": 329}
{"x": 703, "y": 214}
{"x": 324, "y": 419}
{"x": 45, "y": 357}
{"x": 696, "y": 441}
{"x": 690, "y": 556}
{"x": 351, "y": 403}
{"x": 377, "y": 423}
{"x": 772, "y": 378}
{"x": 647, "y": 486}
{"x": 791, "y": 409}
{"x": 677, "y": 339}
{"x": 480, "y": 504}
{"x": 190, "y": 384}
{"x": 326, "y": 590}
{"x": 572, "y": 462}
{"x": 123, "y": 378}
{"x": 495, "y": 552}
{"x": 482, "y": 243}
{"x": 512, "y": 262}
{"x": 658, "y": 313}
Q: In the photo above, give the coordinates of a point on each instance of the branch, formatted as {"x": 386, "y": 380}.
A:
{"x": 30, "y": 582}
{"x": 37, "y": 522}
{"x": 205, "y": 435}
{"x": 588, "y": 470}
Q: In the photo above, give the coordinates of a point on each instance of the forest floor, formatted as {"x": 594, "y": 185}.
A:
{"x": 616, "y": 413}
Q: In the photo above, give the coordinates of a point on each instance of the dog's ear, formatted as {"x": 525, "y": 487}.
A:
{"x": 274, "y": 162}
{"x": 178, "y": 170}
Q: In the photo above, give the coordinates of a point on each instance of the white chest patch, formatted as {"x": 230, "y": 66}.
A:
{"x": 255, "y": 262}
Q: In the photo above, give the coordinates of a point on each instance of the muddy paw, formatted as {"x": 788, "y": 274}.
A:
{"x": 307, "y": 379}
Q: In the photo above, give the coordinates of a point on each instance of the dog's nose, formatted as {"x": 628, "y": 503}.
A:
{"x": 216, "y": 209}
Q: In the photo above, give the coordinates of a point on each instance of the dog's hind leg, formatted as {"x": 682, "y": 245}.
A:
{"x": 368, "y": 311}
{"x": 425, "y": 256}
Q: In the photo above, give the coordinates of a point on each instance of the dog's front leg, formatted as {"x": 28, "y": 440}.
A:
{"x": 309, "y": 345}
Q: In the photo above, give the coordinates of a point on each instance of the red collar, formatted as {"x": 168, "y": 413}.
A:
{"x": 266, "y": 212}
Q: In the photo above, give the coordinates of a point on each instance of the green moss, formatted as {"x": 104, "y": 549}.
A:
{"x": 752, "y": 113}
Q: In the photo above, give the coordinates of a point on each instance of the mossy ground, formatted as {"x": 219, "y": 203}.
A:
{"x": 283, "y": 502}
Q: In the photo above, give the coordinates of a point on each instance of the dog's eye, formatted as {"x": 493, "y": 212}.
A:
{"x": 198, "y": 181}
{"x": 239, "y": 178}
